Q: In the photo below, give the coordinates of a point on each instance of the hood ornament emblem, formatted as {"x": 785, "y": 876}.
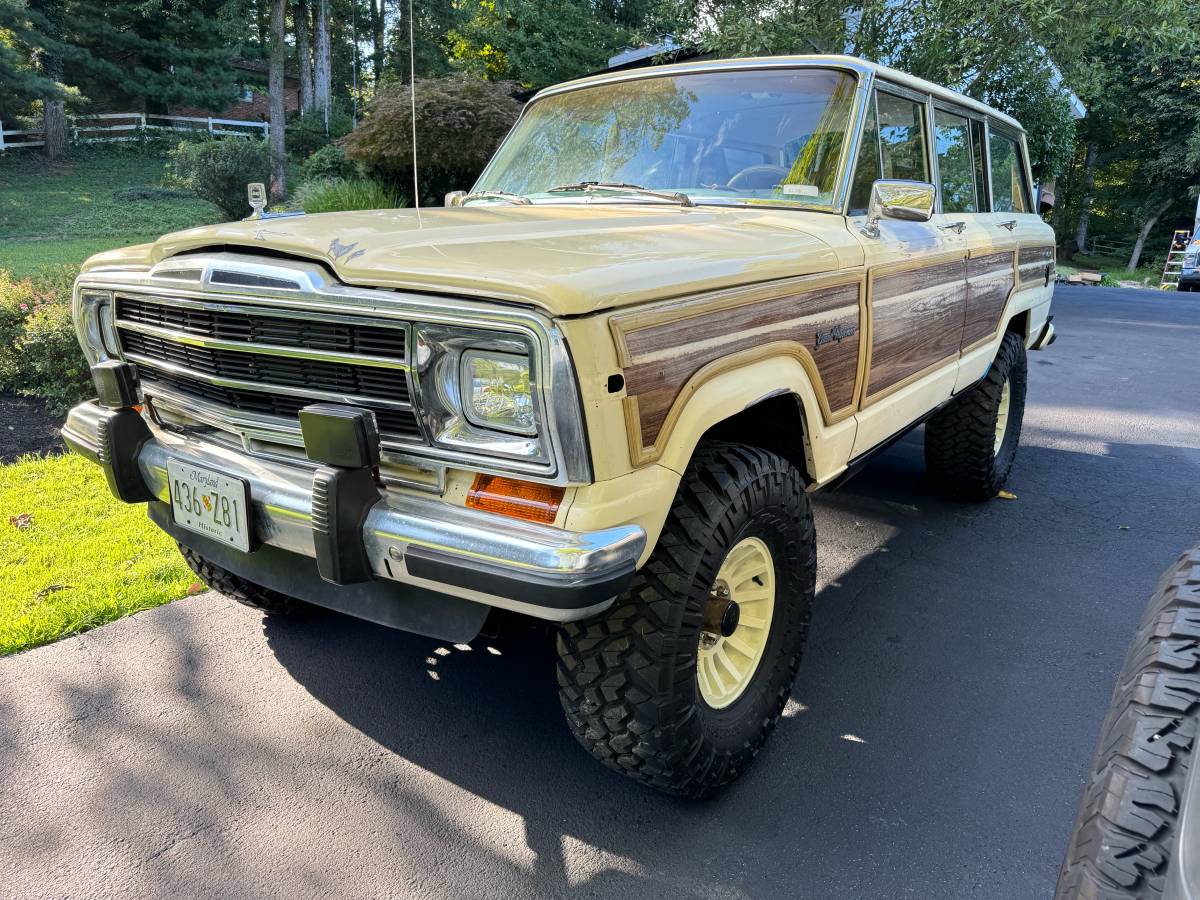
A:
{"x": 337, "y": 250}
{"x": 256, "y": 195}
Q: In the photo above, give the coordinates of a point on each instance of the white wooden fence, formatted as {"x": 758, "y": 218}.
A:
{"x": 107, "y": 127}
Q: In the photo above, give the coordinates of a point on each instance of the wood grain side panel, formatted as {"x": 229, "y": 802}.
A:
{"x": 989, "y": 284}
{"x": 1032, "y": 263}
{"x": 916, "y": 321}
{"x": 663, "y": 357}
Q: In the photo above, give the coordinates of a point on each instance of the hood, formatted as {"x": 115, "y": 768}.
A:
{"x": 569, "y": 259}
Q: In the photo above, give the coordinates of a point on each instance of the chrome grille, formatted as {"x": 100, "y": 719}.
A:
{"x": 346, "y": 337}
{"x": 262, "y": 361}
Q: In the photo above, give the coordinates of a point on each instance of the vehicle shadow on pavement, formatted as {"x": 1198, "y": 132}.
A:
{"x": 958, "y": 657}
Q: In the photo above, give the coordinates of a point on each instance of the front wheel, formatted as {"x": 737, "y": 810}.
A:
{"x": 238, "y": 588}
{"x": 971, "y": 444}
{"x": 681, "y": 682}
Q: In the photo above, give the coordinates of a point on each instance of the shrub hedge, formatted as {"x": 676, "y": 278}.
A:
{"x": 219, "y": 170}
{"x": 39, "y": 353}
{"x": 340, "y": 194}
{"x": 460, "y": 120}
{"x": 328, "y": 162}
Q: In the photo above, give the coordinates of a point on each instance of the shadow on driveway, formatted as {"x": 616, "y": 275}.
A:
{"x": 942, "y": 718}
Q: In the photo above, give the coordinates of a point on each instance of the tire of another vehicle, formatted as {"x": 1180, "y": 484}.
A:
{"x": 961, "y": 455}
{"x": 234, "y": 586}
{"x": 628, "y": 679}
{"x": 1126, "y": 834}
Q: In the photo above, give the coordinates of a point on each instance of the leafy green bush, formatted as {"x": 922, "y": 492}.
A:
{"x": 328, "y": 162}
{"x": 460, "y": 120}
{"x": 339, "y": 194}
{"x": 306, "y": 132}
{"x": 39, "y": 353}
{"x": 219, "y": 170}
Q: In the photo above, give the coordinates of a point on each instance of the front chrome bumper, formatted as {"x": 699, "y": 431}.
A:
{"x": 422, "y": 543}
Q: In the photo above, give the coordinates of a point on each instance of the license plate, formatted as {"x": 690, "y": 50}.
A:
{"x": 209, "y": 503}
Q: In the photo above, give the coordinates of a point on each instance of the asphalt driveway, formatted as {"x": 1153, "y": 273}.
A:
{"x": 961, "y": 660}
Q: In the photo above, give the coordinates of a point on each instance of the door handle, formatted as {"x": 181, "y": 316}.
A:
{"x": 1010, "y": 224}
{"x": 956, "y": 227}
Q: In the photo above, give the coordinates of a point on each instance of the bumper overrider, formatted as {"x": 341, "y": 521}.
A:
{"x": 331, "y": 537}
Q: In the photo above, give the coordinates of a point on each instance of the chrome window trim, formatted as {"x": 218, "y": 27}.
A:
{"x": 800, "y": 61}
{"x": 320, "y": 294}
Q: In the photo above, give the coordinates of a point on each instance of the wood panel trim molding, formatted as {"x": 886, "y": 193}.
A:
{"x": 1001, "y": 321}
{"x": 624, "y": 325}
{"x": 1041, "y": 256}
{"x": 866, "y": 398}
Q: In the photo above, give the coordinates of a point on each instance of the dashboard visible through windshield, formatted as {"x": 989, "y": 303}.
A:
{"x": 754, "y": 136}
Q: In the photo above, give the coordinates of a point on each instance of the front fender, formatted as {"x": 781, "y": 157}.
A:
{"x": 707, "y": 401}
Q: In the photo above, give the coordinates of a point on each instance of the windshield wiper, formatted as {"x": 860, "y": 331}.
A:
{"x": 515, "y": 199}
{"x": 620, "y": 187}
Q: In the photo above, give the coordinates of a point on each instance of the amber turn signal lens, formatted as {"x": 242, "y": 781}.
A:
{"x": 519, "y": 499}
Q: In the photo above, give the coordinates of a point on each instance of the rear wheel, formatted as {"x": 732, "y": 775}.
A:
{"x": 237, "y": 588}
{"x": 681, "y": 682}
{"x": 970, "y": 445}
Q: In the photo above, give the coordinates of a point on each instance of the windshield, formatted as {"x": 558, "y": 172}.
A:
{"x": 760, "y": 136}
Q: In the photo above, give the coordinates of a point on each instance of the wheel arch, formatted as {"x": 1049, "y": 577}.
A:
{"x": 772, "y": 404}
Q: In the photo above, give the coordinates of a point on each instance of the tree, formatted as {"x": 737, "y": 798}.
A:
{"x": 377, "y": 11}
{"x": 540, "y": 42}
{"x": 460, "y": 121}
{"x": 278, "y": 116}
{"x": 54, "y": 116}
{"x": 1142, "y": 135}
{"x": 300, "y": 19}
{"x": 323, "y": 72}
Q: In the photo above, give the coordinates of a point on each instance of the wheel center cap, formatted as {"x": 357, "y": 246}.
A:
{"x": 721, "y": 615}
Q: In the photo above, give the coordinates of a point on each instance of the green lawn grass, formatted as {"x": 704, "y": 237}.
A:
{"x": 98, "y": 201}
{"x": 84, "y": 558}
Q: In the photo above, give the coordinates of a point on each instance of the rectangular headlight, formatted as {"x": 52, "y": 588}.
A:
{"x": 496, "y": 391}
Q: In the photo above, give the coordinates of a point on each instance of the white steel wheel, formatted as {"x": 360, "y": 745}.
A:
{"x": 726, "y": 662}
{"x": 1002, "y": 416}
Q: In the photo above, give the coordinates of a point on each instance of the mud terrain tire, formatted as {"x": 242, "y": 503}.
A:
{"x": 237, "y": 588}
{"x": 1126, "y": 834}
{"x": 628, "y": 679}
{"x": 961, "y": 456}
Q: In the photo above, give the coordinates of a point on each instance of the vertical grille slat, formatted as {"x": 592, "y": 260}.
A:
{"x": 251, "y": 326}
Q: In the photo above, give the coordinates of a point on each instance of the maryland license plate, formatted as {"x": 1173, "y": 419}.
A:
{"x": 209, "y": 503}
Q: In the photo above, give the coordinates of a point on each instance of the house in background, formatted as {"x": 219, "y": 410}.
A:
{"x": 251, "y": 103}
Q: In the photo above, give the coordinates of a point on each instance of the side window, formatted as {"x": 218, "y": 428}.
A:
{"x": 981, "y": 201}
{"x": 956, "y": 170}
{"x": 1010, "y": 193}
{"x": 902, "y": 137}
{"x": 866, "y": 168}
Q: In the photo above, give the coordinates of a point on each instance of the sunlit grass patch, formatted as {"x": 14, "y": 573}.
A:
{"x": 72, "y": 557}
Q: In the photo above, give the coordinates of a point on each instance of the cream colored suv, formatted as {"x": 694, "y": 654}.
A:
{"x": 596, "y": 390}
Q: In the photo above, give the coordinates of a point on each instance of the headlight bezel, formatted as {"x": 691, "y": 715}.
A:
{"x": 92, "y": 312}
{"x": 438, "y": 353}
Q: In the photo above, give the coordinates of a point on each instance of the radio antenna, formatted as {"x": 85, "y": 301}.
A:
{"x": 412, "y": 83}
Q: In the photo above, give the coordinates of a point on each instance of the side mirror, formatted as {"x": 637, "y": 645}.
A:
{"x": 909, "y": 201}
{"x": 455, "y": 198}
